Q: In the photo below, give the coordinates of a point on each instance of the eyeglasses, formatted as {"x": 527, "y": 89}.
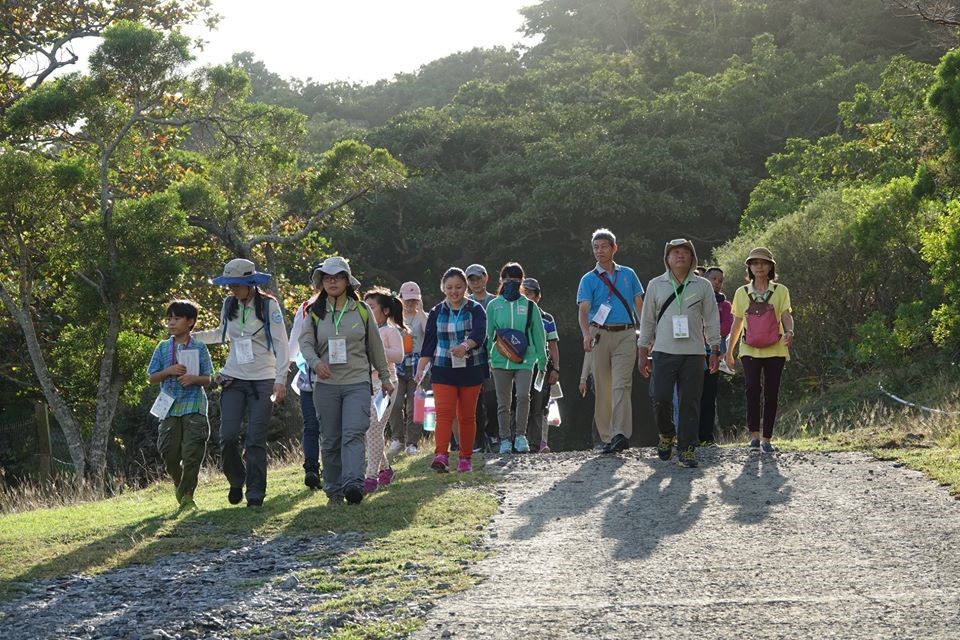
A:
{"x": 327, "y": 277}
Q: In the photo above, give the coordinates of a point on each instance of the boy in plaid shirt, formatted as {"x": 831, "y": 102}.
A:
{"x": 184, "y": 430}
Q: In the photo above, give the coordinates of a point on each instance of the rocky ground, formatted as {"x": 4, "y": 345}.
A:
{"x": 785, "y": 546}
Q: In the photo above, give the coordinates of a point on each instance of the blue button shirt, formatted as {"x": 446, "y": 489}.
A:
{"x": 595, "y": 291}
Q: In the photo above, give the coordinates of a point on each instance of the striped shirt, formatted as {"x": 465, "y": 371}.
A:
{"x": 189, "y": 399}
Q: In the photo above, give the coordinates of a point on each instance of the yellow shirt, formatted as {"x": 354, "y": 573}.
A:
{"x": 780, "y": 299}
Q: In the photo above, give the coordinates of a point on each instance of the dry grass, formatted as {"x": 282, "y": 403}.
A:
{"x": 65, "y": 490}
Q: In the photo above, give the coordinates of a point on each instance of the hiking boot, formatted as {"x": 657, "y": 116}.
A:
{"x": 235, "y": 495}
{"x": 688, "y": 458}
{"x": 665, "y": 446}
{"x": 617, "y": 444}
{"x": 465, "y": 465}
{"x": 521, "y": 445}
{"x": 755, "y": 445}
{"x": 506, "y": 446}
{"x": 353, "y": 494}
{"x": 766, "y": 447}
{"x": 369, "y": 485}
{"x": 312, "y": 480}
{"x": 411, "y": 449}
{"x": 395, "y": 448}
{"x": 385, "y": 477}
{"x": 441, "y": 462}
{"x": 544, "y": 448}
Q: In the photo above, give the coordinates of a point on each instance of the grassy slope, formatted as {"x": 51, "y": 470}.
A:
{"x": 423, "y": 510}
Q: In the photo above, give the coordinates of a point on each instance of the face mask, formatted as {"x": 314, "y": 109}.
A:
{"x": 511, "y": 291}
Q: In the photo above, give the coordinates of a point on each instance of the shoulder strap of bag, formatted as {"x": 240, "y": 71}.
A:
{"x": 630, "y": 311}
{"x": 666, "y": 305}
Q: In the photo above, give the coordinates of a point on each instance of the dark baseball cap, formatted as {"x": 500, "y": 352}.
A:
{"x": 476, "y": 270}
{"x": 530, "y": 284}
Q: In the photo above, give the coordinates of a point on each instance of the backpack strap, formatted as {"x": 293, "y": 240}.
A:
{"x": 265, "y": 309}
{"x": 364, "y": 315}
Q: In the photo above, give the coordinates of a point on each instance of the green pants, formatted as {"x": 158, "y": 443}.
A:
{"x": 182, "y": 441}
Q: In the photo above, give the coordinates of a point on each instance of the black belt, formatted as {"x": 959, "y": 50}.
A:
{"x": 612, "y": 327}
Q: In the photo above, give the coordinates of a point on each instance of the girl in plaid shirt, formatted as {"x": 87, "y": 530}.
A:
{"x": 453, "y": 349}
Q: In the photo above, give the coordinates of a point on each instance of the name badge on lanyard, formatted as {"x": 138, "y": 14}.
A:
{"x": 161, "y": 406}
{"x": 681, "y": 327}
{"x": 244, "y": 350}
{"x": 458, "y": 363}
{"x": 337, "y": 350}
{"x": 601, "y": 315}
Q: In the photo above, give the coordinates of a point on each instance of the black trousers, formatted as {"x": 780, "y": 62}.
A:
{"x": 685, "y": 372}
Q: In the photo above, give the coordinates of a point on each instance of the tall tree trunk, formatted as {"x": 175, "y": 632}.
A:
{"x": 108, "y": 394}
{"x": 65, "y": 417}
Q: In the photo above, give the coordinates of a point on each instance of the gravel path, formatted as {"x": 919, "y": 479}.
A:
{"x": 785, "y": 546}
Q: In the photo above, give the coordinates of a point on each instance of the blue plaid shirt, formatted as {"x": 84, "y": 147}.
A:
{"x": 446, "y": 329}
{"x": 190, "y": 399}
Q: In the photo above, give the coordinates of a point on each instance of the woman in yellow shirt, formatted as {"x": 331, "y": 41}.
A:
{"x": 762, "y": 312}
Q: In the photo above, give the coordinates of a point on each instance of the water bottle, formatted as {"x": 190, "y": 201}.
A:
{"x": 419, "y": 404}
{"x": 429, "y": 413}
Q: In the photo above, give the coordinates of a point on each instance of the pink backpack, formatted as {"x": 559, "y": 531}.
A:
{"x": 762, "y": 325}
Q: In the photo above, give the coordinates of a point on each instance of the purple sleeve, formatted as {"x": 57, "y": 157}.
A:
{"x": 726, "y": 317}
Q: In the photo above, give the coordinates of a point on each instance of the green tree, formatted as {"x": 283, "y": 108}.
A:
{"x": 115, "y": 126}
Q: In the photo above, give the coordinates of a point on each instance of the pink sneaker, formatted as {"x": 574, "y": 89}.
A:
{"x": 369, "y": 485}
{"x": 543, "y": 448}
{"x": 385, "y": 477}
{"x": 441, "y": 462}
{"x": 465, "y": 465}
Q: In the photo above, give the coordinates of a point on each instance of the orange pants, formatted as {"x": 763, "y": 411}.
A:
{"x": 460, "y": 403}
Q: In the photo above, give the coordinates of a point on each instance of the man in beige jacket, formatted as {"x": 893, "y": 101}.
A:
{"x": 679, "y": 316}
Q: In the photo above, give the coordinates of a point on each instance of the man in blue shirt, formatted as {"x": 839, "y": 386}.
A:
{"x": 610, "y": 299}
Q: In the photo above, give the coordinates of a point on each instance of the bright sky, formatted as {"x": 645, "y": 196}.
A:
{"x": 357, "y": 40}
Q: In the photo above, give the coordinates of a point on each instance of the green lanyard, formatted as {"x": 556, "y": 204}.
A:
{"x": 336, "y": 320}
{"x": 679, "y": 293}
{"x": 243, "y": 319}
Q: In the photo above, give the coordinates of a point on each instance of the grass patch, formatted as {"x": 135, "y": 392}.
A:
{"x": 421, "y": 507}
{"x": 926, "y": 441}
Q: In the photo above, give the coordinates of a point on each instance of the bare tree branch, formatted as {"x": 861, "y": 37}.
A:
{"x": 311, "y": 224}
{"x": 941, "y": 12}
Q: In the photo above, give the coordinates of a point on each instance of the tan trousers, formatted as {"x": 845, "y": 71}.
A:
{"x": 614, "y": 356}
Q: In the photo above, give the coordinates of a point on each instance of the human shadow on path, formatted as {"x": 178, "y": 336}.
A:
{"x": 662, "y": 504}
{"x": 759, "y": 487}
{"x": 578, "y": 492}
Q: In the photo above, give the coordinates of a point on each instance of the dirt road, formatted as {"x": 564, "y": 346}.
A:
{"x": 784, "y": 546}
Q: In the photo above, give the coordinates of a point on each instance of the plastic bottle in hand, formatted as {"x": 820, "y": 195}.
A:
{"x": 419, "y": 404}
{"x": 429, "y": 413}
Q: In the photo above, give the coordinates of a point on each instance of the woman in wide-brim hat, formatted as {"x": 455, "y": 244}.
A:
{"x": 253, "y": 377}
{"x": 762, "y": 312}
{"x": 340, "y": 345}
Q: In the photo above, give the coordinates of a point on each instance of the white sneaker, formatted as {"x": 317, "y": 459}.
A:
{"x": 395, "y": 448}
{"x": 411, "y": 449}
{"x": 724, "y": 368}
